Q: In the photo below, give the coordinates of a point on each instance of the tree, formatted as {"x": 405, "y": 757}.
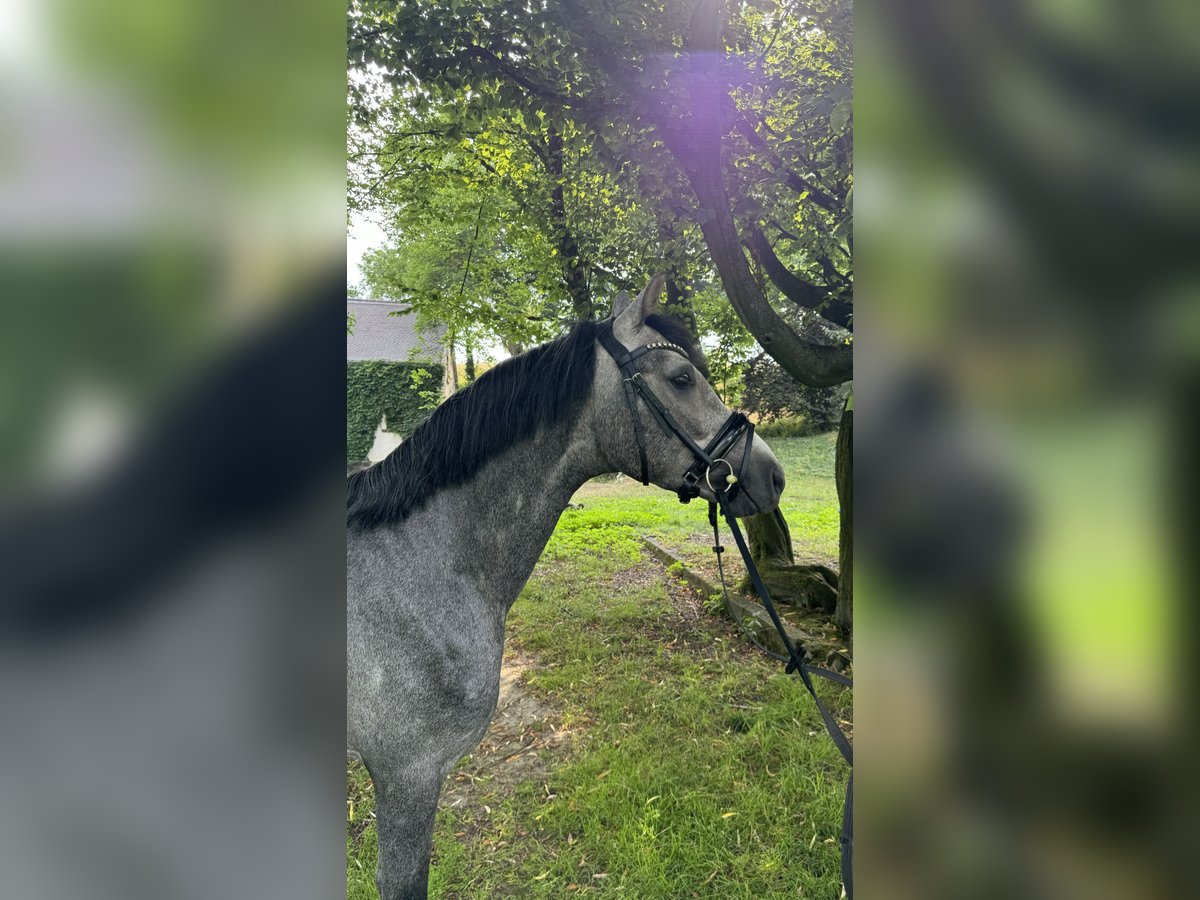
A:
{"x": 773, "y": 395}
{"x": 677, "y": 108}
{"x": 679, "y": 102}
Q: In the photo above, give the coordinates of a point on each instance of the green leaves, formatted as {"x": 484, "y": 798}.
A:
{"x": 489, "y": 82}
{"x": 840, "y": 116}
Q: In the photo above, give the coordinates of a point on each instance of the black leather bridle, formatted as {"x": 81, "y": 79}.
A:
{"x": 706, "y": 458}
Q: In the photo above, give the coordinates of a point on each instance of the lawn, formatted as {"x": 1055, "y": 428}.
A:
{"x": 809, "y": 504}
{"x": 673, "y": 760}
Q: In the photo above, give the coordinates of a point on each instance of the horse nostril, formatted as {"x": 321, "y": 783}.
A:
{"x": 778, "y": 480}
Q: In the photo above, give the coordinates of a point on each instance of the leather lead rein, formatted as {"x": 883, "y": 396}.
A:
{"x": 725, "y": 439}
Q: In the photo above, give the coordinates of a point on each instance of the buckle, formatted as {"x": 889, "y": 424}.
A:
{"x": 689, "y": 491}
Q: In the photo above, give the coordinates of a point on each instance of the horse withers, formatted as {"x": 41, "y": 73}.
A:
{"x": 443, "y": 534}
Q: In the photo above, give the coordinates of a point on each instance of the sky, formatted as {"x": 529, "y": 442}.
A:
{"x": 362, "y": 235}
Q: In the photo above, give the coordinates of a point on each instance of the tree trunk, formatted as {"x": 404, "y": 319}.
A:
{"x": 470, "y": 365}
{"x": 453, "y": 365}
{"x": 695, "y": 143}
{"x": 770, "y": 539}
{"x": 844, "y": 470}
{"x": 810, "y": 586}
{"x": 570, "y": 256}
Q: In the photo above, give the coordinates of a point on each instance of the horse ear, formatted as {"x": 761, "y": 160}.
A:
{"x": 633, "y": 315}
{"x": 647, "y": 301}
{"x": 620, "y": 303}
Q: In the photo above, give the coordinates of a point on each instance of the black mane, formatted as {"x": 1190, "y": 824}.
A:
{"x": 506, "y": 404}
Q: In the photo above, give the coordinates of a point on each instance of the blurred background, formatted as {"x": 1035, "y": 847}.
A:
{"x": 171, "y": 409}
{"x": 1028, "y": 206}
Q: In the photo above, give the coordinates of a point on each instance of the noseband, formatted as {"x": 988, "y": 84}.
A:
{"x": 707, "y": 457}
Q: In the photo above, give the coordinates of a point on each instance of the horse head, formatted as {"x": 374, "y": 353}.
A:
{"x": 656, "y": 416}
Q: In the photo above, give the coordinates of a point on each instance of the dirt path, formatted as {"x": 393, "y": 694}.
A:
{"x": 508, "y": 755}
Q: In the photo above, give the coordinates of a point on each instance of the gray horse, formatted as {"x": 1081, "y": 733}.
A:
{"x": 443, "y": 534}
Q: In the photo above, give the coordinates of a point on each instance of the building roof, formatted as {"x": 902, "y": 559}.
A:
{"x": 378, "y": 335}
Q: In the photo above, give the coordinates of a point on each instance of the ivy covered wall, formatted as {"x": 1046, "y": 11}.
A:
{"x": 403, "y": 392}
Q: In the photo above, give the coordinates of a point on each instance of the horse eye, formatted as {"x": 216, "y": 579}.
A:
{"x": 681, "y": 381}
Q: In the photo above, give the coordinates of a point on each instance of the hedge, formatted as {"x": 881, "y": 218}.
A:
{"x": 403, "y": 392}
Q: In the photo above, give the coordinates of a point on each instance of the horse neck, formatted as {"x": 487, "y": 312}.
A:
{"x": 500, "y": 521}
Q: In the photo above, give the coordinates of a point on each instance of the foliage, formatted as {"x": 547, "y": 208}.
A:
{"x": 529, "y": 161}
{"x": 462, "y": 253}
{"x": 784, "y": 426}
{"x": 727, "y": 344}
{"x": 403, "y": 392}
{"x": 796, "y": 177}
{"x": 774, "y": 395}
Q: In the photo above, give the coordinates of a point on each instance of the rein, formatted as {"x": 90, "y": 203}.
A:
{"x": 706, "y": 459}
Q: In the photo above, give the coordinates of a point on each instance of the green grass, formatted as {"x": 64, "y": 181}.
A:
{"x": 693, "y": 766}
{"x": 809, "y": 504}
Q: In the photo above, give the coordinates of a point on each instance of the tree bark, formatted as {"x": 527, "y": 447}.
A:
{"x": 844, "y": 472}
{"x": 770, "y": 539}
{"x": 569, "y": 253}
{"x": 695, "y": 143}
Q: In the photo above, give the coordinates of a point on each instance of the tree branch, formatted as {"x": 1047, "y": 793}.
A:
{"x": 624, "y": 284}
{"x": 783, "y": 232}
{"x": 515, "y": 75}
{"x": 794, "y": 288}
{"x": 794, "y": 181}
